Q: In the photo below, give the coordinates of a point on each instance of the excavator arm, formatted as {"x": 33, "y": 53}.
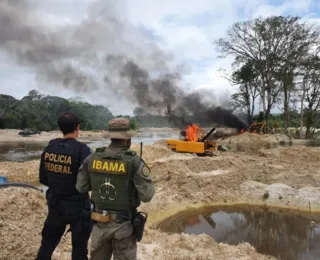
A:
{"x": 257, "y": 127}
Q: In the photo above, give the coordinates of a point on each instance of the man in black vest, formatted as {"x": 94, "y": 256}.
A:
{"x": 59, "y": 166}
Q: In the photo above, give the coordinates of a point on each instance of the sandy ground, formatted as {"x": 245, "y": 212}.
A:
{"x": 254, "y": 142}
{"x": 290, "y": 176}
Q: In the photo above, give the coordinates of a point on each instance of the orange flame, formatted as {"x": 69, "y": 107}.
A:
{"x": 192, "y": 133}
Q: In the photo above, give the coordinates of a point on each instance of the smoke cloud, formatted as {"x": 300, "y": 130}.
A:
{"x": 104, "y": 54}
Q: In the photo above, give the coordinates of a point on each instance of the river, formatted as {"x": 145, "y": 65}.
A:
{"x": 21, "y": 152}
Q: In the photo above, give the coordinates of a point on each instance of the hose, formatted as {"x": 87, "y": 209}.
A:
{"x": 18, "y": 184}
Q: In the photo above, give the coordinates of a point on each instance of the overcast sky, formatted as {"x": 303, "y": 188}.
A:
{"x": 185, "y": 30}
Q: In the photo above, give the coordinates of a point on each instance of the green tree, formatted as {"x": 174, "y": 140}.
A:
{"x": 39, "y": 112}
{"x": 275, "y": 46}
{"x": 33, "y": 95}
{"x": 245, "y": 99}
{"x": 139, "y": 111}
{"x": 309, "y": 92}
{"x": 6, "y": 102}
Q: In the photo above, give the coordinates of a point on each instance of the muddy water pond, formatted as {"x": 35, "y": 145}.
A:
{"x": 287, "y": 235}
{"x": 20, "y": 151}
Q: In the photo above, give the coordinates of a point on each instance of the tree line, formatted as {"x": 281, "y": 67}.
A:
{"x": 275, "y": 60}
{"x": 39, "y": 112}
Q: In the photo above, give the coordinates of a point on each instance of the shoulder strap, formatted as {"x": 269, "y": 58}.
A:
{"x": 130, "y": 152}
{"x": 101, "y": 149}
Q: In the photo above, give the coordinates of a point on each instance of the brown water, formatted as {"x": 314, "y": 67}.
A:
{"x": 285, "y": 235}
{"x": 21, "y": 151}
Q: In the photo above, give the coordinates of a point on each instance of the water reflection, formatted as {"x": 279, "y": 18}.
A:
{"x": 20, "y": 151}
{"x": 283, "y": 236}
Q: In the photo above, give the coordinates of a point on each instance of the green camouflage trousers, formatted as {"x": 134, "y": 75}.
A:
{"x": 113, "y": 238}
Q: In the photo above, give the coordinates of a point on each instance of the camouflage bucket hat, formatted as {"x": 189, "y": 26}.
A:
{"x": 119, "y": 128}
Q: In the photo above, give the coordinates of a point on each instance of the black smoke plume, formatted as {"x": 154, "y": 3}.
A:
{"x": 163, "y": 94}
{"x": 106, "y": 55}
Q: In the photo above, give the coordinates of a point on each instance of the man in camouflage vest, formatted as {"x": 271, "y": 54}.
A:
{"x": 119, "y": 180}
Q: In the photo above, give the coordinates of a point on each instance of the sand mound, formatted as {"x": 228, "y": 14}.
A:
{"x": 181, "y": 178}
{"x": 150, "y": 153}
{"x": 162, "y": 142}
{"x": 254, "y": 142}
{"x": 189, "y": 247}
{"x": 22, "y": 214}
{"x": 26, "y": 172}
{"x": 295, "y": 166}
{"x": 186, "y": 177}
{"x": 276, "y": 193}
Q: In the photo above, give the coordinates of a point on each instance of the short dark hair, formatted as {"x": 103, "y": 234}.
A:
{"x": 68, "y": 122}
{"x": 117, "y": 141}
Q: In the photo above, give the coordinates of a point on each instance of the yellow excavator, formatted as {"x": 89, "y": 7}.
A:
{"x": 198, "y": 144}
{"x": 260, "y": 128}
{"x": 257, "y": 127}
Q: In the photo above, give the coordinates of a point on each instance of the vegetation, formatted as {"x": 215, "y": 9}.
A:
{"x": 275, "y": 59}
{"x": 36, "y": 111}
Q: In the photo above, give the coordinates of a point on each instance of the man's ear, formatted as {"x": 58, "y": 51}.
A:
{"x": 78, "y": 128}
{"x": 129, "y": 143}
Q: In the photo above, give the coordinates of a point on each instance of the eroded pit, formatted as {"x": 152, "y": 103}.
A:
{"x": 283, "y": 233}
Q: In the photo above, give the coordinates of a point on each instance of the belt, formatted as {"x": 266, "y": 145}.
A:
{"x": 107, "y": 216}
{"x": 103, "y": 212}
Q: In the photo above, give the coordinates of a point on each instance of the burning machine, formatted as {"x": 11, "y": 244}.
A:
{"x": 195, "y": 142}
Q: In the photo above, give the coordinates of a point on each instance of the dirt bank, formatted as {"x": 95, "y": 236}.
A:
{"x": 182, "y": 181}
{"x": 253, "y": 142}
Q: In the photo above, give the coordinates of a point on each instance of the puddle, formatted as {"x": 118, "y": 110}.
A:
{"x": 21, "y": 152}
{"x": 285, "y": 234}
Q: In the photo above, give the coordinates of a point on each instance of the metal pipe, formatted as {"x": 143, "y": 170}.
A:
{"x": 207, "y": 135}
{"x": 18, "y": 184}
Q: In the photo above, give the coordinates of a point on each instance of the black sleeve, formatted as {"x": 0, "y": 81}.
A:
{"x": 84, "y": 153}
{"x": 43, "y": 179}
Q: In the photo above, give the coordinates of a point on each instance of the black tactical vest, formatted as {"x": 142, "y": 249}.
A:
{"x": 62, "y": 161}
{"x": 111, "y": 175}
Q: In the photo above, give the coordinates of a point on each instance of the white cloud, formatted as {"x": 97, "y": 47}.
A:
{"x": 293, "y": 7}
{"x": 187, "y": 30}
{"x": 56, "y": 20}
